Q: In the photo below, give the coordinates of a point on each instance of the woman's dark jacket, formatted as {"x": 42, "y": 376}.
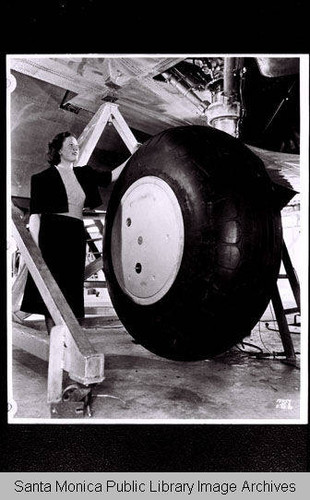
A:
{"x": 48, "y": 193}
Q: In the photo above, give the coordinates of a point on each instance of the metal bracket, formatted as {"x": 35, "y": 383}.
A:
{"x": 68, "y": 409}
{"x": 75, "y": 403}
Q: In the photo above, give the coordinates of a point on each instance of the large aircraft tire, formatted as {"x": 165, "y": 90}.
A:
{"x": 192, "y": 243}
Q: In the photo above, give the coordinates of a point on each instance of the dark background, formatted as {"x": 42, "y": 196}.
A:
{"x": 94, "y": 26}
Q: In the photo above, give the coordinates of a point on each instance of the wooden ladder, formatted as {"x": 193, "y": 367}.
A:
{"x": 279, "y": 310}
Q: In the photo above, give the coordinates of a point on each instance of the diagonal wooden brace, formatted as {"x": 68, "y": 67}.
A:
{"x": 93, "y": 267}
{"x": 78, "y": 357}
{"x": 107, "y": 112}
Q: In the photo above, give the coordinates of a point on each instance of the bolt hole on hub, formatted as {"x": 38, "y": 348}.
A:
{"x": 138, "y": 268}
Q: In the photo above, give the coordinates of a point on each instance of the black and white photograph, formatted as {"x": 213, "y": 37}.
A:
{"x": 157, "y": 238}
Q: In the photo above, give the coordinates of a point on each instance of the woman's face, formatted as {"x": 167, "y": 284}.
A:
{"x": 70, "y": 149}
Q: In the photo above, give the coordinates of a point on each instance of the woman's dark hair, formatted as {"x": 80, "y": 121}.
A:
{"x": 53, "y": 156}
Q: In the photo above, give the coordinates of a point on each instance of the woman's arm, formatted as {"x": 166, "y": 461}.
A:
{"x": 34, "y": 226}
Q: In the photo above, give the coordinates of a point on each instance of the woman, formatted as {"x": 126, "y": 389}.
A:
{"x": 58, "y": 196}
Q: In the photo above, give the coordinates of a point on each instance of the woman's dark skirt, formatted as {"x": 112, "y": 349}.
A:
{"x": 63, "y": 246}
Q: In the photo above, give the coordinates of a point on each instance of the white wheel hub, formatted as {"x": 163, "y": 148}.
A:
{"x": 147, "y": 240}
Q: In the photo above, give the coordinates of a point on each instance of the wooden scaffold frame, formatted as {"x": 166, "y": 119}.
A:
{"x": 67, "y": 349}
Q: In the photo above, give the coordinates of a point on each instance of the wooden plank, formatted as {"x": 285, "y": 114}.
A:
{"x": 20, "y": 316}
{"x": 123, "y": 129}
{"x": 100, "y": 322}
{"x": 92, "y": 133}
{"x": 99, "y": 225}
{"x": 282, "y": 324}
{"x": 55, "y": 366}
{"x": 33, "y": 341}
{"x": 95, "y": 284}
{"x": 19, "y": 286}
{"x": 93, "y": 268}
{"x": 96, "y": 310}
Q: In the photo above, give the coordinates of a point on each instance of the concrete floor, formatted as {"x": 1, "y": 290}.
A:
{"x": 142, "y": 387}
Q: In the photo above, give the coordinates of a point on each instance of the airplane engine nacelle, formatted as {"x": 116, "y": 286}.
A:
{"x": 192, "y": 245}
